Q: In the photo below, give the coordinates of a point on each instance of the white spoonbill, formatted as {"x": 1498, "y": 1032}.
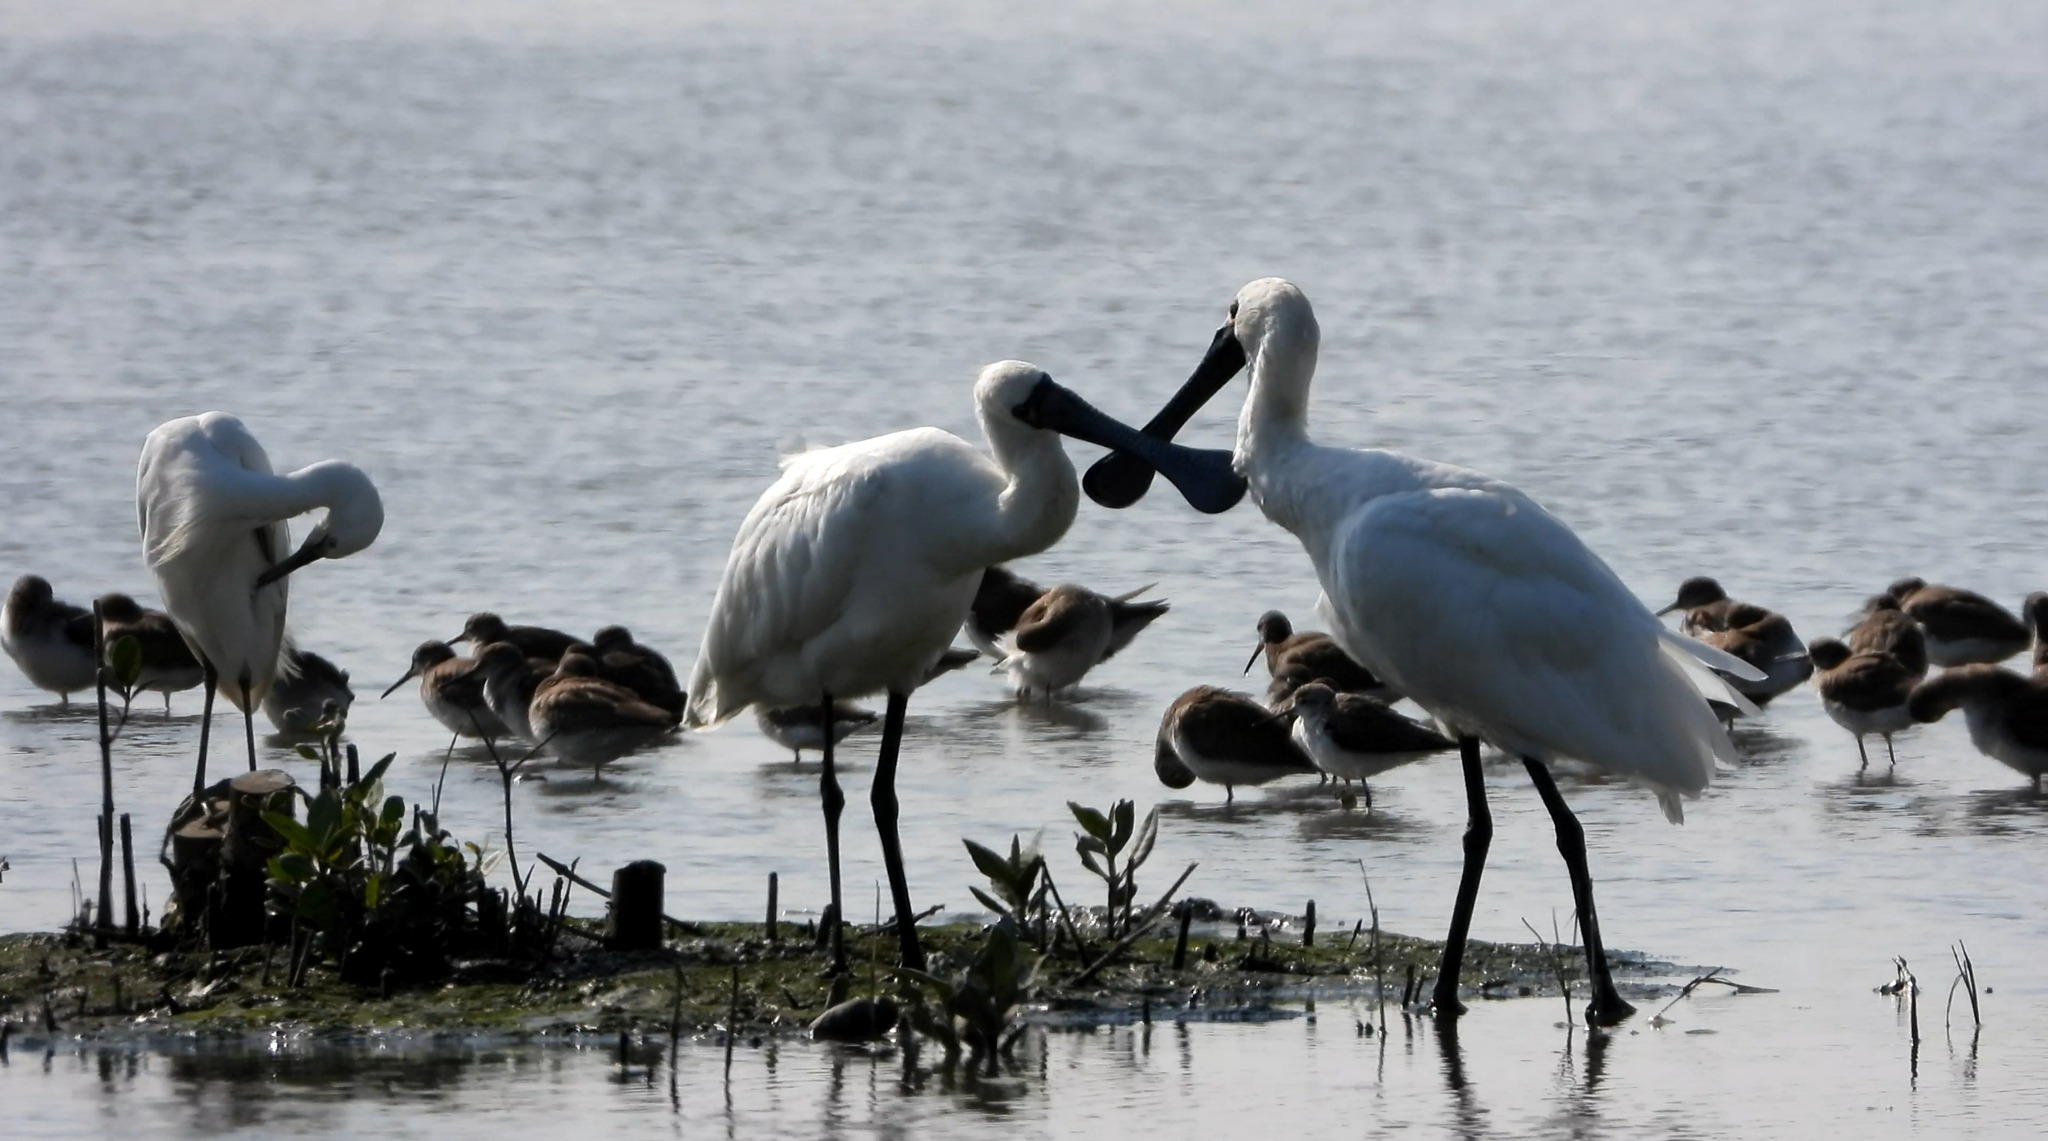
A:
{"x": 213, "y": 533}
{"x": 1461, "y": 593}
{"x": 854, "y": 570}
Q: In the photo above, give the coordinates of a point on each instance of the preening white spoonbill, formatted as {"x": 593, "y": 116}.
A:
{"x": 1461, "y": 593}
{"x": 854, "y": 570}
{"x": 213, "y": 517}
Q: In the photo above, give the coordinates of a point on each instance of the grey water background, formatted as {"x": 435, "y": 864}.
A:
{"x": 1754, "y": 291}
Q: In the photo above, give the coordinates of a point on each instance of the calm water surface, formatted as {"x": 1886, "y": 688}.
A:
{"x": 1754, "y": 293}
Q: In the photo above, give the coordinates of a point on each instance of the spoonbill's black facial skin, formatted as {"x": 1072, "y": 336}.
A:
{"x": 1204, "y": 477}
{"x": 1121, "y": 478}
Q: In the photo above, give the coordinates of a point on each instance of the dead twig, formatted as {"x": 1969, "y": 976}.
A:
{"x": 1966, "y": 977}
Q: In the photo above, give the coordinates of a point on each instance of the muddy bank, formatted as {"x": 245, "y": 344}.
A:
{"x": 56, "y": 985}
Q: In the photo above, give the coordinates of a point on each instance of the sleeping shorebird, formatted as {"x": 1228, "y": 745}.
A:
{"x": 484, "y": 627}
{"x": 2006, "y": 713}
{"x": 2035, "y": 613}
{"x": 1224, "y": 738}
{"x": 306, "y": 685}
{"x": 452, "y": 689}
{"x": 1962, "y": 627}
{"x": 168, "y": 665}
{"x": 1048, "y": 640}
{"x": 585, "y": 720}
{"x": 1886, "y": 629}
{"x": 49, "y": 639}
{"x": 1864, "y": 691}
{"x": 1763, "y": 638}
{"x": 1295, "y": 659}
{"x": 1356, "y": 738}
{"x": 642, "y": 669}
{"x": 510, "y": 679}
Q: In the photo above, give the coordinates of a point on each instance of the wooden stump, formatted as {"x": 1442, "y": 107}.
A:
{"x": 249, "y": 844}
{"x": 634, "y": 923}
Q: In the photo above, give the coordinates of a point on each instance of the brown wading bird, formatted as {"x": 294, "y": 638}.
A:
{"x": 623, "y": 661}
{"x": 306, "y": 685}
{"x": 585, "y": 720}
{"x": 1864, "y": 691}
{"x": 1355, "y": 738}
{"x": 2006, "y": 712}
{"x": 1763, "y": 638}
{"x": 1885, "y": 628}
{"x": 2035, "y": 613}
{"x": 483, "y": 628}
{"x": 168, "y": 664}
{"x": 510, "y": 679}
{"x": 50, "y": 640}
{"x": 452, "y": 689}
{"x": 1294, "y": 660}
{"x": 1225, "y": 738}
{"x": 1054, "y": 636}
{"x": 1962, "y": 627}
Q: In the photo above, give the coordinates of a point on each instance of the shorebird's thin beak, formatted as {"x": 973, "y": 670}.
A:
{"x": 1204, "y": 477}
{"x": 1122, "y": 478}
{"x": 299, "y": 558}
{"x": 1667, "y": 610}
{"x": 409, "y": 675}
{"x": 1256, "y": 651}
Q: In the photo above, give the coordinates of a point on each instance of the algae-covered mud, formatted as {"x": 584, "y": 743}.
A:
{"x": 55, "y": 987}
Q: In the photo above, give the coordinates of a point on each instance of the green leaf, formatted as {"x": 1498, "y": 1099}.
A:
{"x": 994, "y": 905}
{"x": 323, "y": 819}
{"x": 988, "y": 863}
{"x": 1148, "y": 833}
{"x": 373, "y": 890}
{"x": 306, "y": 752}
{"x": 1121, "y": 816}
{"x": 294, "y": 833}
{"x": 1095, "y": 823}
{"x": 1088, "y": 858}
{"x": 376, "y": 772}
{"x": 124, "y": 658}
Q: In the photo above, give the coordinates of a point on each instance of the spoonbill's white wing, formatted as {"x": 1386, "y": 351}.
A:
{"x": 847, "y": 548}
{"x": 1490, "y": 613}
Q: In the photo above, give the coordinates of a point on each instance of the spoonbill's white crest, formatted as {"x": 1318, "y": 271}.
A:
{"x": 1962, "y": 627}
{"x": 1464, "y": 595}
{"x": 854, "y": 570}
{"x": 49, "y": 639}
{"x": 213, "y": 533}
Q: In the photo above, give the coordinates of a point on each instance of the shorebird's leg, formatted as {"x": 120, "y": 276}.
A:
{"x": 1365, "y": 786}
{"x": 208, "y": 679}
{"x": 248, "y": 717}
{"x": 1860, "y": 753}
{"x": 883, "y": 797}
{"x": 1607, "y": 1007}
{"x": 1891, "y": 757}
{"x": 1478, "y": 837}
{"x": 835, "y": 803}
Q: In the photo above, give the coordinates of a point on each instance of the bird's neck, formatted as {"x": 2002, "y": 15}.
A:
{"x": 1038, "y": 505}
